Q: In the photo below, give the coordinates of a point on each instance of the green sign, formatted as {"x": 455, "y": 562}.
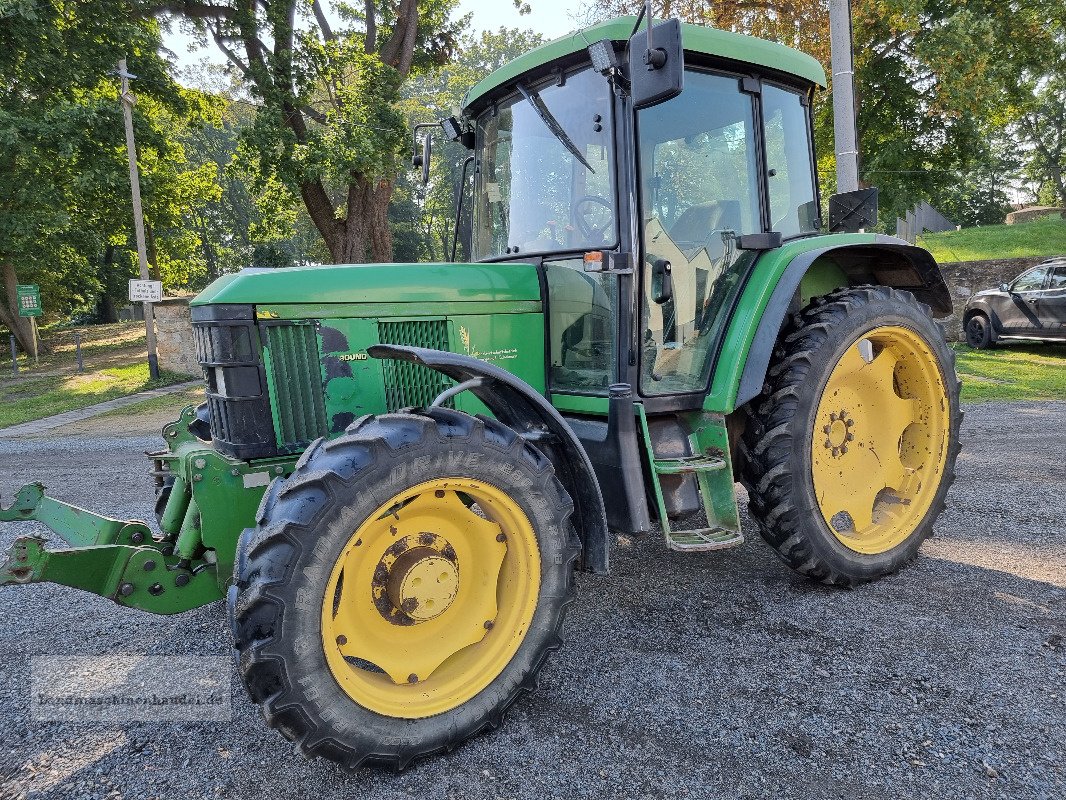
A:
{"x": 29, "y": 299}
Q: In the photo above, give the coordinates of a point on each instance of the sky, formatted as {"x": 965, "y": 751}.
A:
{"x": 552, "y": 18}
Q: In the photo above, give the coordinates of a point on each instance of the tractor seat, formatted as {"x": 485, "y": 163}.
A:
{"x": 692, "y": 229}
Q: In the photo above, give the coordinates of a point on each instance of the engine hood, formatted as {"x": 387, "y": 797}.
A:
{"x": 376, "y": 283}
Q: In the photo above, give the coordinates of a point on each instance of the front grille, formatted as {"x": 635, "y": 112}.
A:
{"x": 408, "y": 384}
{"x": 227, "y": 348}
{"x": 294, "y": 365}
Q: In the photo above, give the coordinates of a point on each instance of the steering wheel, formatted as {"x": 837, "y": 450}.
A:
{"x": 594, "y": 234}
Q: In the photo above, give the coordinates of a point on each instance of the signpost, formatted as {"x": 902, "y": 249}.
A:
{"x": 29, "y": 303}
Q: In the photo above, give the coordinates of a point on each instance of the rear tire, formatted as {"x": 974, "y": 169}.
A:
{"x": 979, "y": 332}
{"x": 850, "y": 453}
{"x": 307, "y": 571}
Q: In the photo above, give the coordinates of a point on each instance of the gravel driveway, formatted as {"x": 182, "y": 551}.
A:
{"x": 721, "y": 675}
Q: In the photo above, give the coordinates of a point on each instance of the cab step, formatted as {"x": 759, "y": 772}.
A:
{"x": 714, "y": 474}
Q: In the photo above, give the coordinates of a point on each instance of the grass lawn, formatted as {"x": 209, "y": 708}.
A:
{"x": 1012, "y": 372}
{"x": 172, "y": 403}
{"x": 33, "y": 399}
{"x": 1045, "y": 237}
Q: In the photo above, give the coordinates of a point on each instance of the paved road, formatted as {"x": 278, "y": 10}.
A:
{"x": 716, "y": 676}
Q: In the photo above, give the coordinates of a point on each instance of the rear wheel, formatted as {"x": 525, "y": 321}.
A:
{"x": 978, "y": 332}
{"x": 851, "y": 453}
{"x": 403, "y": 587}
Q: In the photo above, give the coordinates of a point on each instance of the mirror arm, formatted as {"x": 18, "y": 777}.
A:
{"x": 459, "y": 193}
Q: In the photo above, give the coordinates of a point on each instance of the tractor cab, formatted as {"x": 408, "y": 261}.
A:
{"x": 643, "y": 216}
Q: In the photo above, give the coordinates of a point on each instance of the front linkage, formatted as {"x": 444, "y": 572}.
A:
{"x": 208, "y": 500}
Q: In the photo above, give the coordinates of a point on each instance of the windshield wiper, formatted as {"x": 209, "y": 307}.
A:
{"x": 553, "y": 124}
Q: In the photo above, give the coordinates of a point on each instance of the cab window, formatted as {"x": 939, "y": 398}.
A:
{"x": 789, "y": 169}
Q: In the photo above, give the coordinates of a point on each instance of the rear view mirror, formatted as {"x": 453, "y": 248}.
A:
{"x": 662, "y": 283}
{"x": 656, "y": 64}
{"x": 1004, "y": 287}
{"x": 851, "y": 212}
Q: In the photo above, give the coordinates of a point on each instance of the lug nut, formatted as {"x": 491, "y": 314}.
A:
{"x": 342, "y": 640}
{"x": 412, "y": 678}
{"x": 155, "y": 589}
{"x": 439, "y": 493}
{"x": 488, "y": 624}
{"x": 126, "y": 589}
{"x": 149, "y": 565}
{"x": 501, "y": 537}
{"x": 182, "y": 579}
{"x": 138, "y": 537}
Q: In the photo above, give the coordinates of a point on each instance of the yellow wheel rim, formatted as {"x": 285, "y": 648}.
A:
{"x": 431, "y": 598}
{"x": 880, "y": 439}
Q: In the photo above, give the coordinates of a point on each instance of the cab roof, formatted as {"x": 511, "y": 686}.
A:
{"x": 696, "y": 38}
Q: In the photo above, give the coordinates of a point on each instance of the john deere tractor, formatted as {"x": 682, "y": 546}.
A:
{"x": 399, "y": 467}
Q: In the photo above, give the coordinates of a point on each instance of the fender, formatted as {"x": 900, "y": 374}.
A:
{"x": 520, "y": 407}
{"x": 776, "y": 279}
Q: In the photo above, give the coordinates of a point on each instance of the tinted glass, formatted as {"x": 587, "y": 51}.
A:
{"x": 1058, "y": 278}
{"x": 789, "y": 166}
{"x": 581, "y": 314}
{"x": 1031, "y": 280}
{"x": 532, "y": 194}
{"x": 699, "y": 189}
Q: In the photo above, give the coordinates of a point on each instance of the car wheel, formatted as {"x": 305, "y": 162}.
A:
{"x": 979, "y": 332}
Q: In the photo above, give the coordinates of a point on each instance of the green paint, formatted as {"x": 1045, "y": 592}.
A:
{"x": 581, "y": 404}
{"x": 696, "y": 38}
{"x": 749, "y": 310}
{"x": 300, "y": 311}
{"x": 376, "y": 283}
{"x": 823, "y": 277}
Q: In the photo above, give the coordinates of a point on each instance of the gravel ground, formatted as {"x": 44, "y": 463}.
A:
{"x": 722, "y": 675}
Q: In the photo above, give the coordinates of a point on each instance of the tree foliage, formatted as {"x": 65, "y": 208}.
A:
{"x": 329, "y": 129}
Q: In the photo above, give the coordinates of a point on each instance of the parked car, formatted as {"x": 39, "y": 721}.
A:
{"x": 1032, "y": 306}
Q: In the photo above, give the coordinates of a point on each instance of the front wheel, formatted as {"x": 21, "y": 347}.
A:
{"x": 850, "y": 454}
{"x": 403, "y": 587}
{"x": 978, "y": 332}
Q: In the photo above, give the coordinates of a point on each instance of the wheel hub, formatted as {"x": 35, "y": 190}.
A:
{"x": 422, "y": 583}
{"x": 838, "y": 432}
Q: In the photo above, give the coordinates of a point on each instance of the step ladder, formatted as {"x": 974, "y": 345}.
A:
{"x": 714, "y": 475}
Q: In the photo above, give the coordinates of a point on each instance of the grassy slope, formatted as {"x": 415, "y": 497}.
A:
{"x": 1046, "y": 237}
{"x": 35, "y": 399}
{"x": 1013, "y": 372}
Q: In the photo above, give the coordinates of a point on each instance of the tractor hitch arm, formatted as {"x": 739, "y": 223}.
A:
{"x": 76, "y": 526}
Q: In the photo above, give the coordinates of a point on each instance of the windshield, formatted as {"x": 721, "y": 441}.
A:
{"x": 543, "y": 170}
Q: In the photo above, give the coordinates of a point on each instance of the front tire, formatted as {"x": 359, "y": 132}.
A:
{"x": 403, "y": 587}
{"x": 850, "y": 453}
{"x": 978, "y": 332}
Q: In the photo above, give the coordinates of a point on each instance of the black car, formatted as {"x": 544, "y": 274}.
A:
{"x": 1033, "y": 306}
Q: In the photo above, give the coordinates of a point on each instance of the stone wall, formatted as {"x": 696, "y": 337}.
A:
{"x": 966, "y": 277}
{"x": 174, "y": 342}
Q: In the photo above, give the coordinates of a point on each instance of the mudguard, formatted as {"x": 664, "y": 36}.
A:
{"x": 898, "y": 264}
{"x": 520, "y": 407}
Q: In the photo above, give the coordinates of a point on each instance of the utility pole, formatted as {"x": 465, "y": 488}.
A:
{"x": 844, "y": 116}
{"x": 128, "y": 100}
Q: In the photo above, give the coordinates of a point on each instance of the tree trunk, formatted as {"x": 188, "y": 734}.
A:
{"x": 9, "y": 315}
{"x": 365, "y": 236}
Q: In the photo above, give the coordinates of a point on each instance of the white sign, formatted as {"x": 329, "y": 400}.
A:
{"x": 146, "y": 291}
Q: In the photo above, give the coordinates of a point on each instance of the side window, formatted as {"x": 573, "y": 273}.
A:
{"x": 789, "y": 169}
{"x": 581, "y": 336}
{"x": 699, "y": 190}
{"x": 1031, "y": 280}
{"x": 1058, "y": 278}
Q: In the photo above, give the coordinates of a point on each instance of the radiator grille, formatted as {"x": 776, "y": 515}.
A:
{"x": 408, "y": 384}
{"x": 296, "y": 373}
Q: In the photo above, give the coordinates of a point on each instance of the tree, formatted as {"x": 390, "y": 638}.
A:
{"x": 328, "y": 126}
{"x": 64, "y": 184}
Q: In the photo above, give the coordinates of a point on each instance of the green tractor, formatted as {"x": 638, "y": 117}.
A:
{"x": 399, "y": 467}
